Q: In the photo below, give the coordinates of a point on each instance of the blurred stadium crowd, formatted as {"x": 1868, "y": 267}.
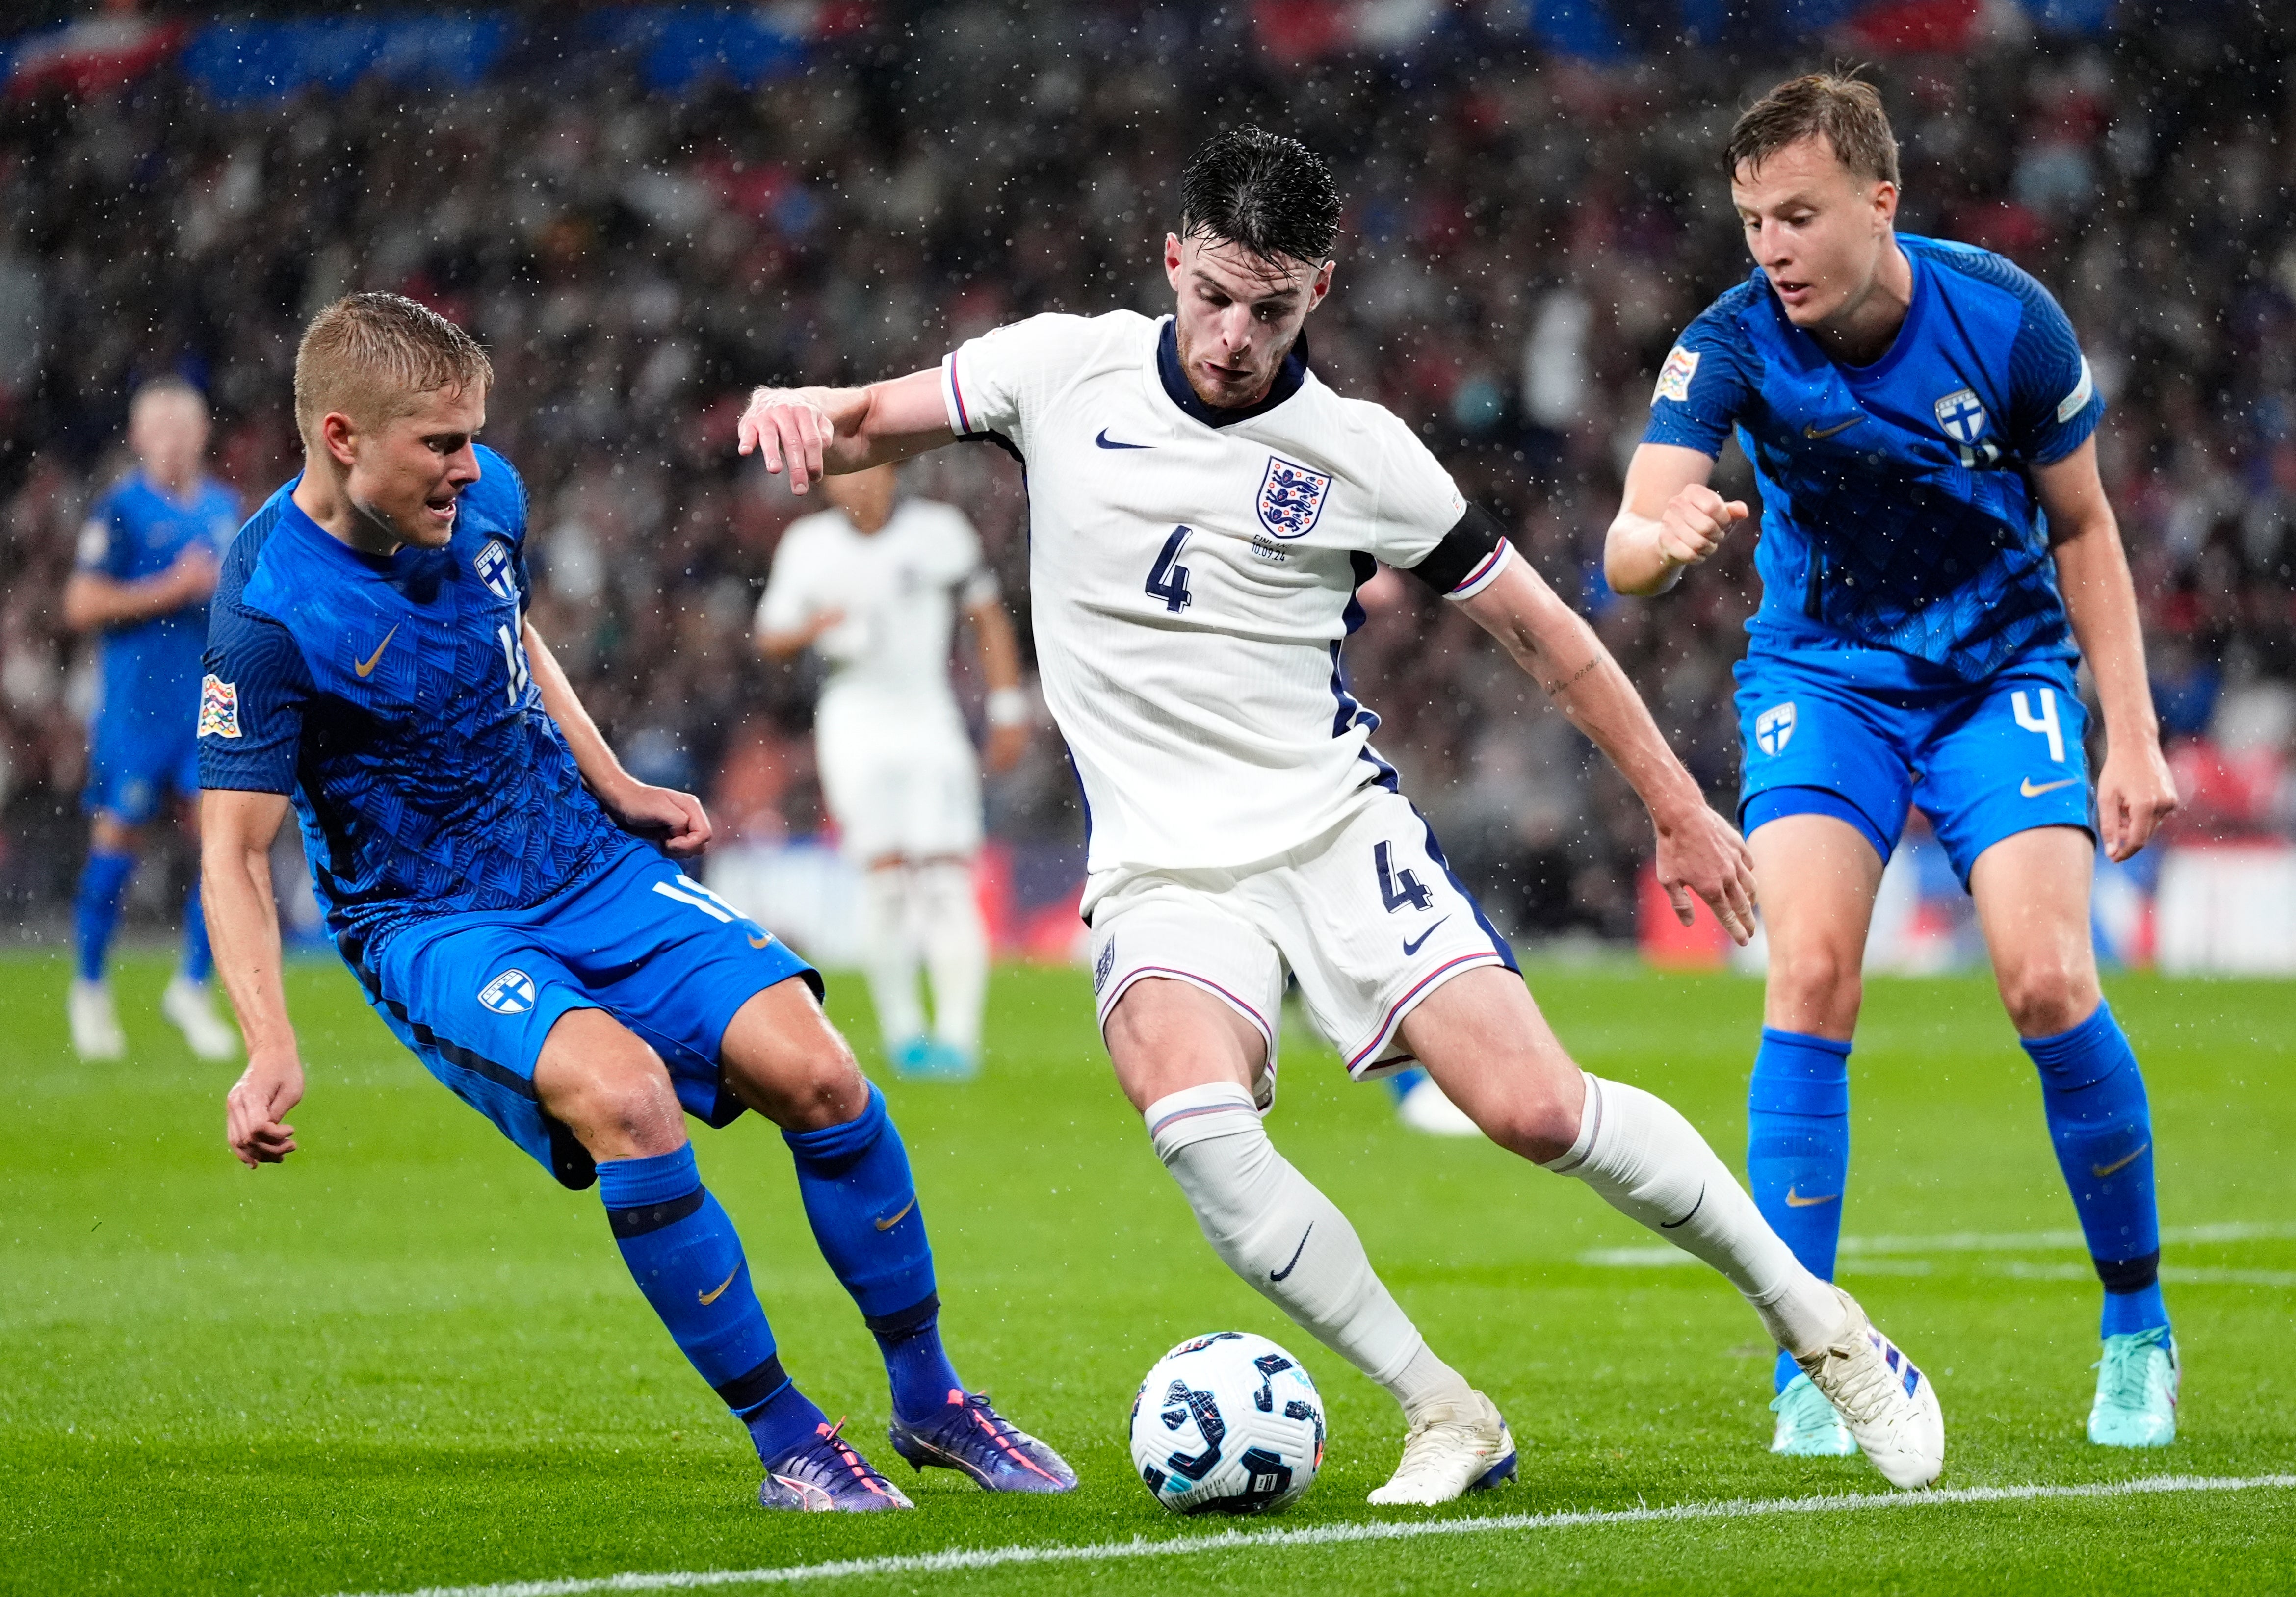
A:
{"x": 1524, "y": 235}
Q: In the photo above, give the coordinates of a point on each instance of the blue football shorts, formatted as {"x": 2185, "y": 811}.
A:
{"x": 1983, "y": 760}
{"x": 474, "y": 995}
{"x": 135, "y": 762}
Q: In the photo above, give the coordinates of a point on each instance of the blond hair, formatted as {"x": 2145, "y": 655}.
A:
{"x": 1845, "y": 112}
{"x": 372, "y": 357}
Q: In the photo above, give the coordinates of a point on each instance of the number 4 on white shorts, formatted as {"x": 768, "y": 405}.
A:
{"x": 2045, "y": 723}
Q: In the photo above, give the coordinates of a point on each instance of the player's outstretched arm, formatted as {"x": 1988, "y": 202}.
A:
{"x": 2135, "y": 791}
{"x": 674, "y": 820}
{"x": 822, "y": 433}
{"x": 235, "y": 833}
{"x": 1007, "y": 706}
{"x": 1698, "y": 851}
{"x": 1668, "y": 519}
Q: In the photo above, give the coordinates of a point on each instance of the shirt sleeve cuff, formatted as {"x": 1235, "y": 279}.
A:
{"x": 952, "y": 399}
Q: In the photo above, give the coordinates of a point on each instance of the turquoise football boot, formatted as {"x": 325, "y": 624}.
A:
{"x": 1807, "y": 1426}
{"x": 2136, "y": 1384}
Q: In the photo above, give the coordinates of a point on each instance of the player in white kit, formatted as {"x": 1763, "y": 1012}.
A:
{"x": 1202, "y": 509}
{"x": 874, "y": 587}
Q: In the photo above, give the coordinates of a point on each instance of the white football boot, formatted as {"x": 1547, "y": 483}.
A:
{"x": 94, "y": 1026}
{"x": 1425, "y": 1108}
{"x": 1448, "y": 1455}
{"x": 190, "y": 1006}
{"x": 1888, "y": 1405}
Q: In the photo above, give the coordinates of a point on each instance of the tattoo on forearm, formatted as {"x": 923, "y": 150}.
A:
{"x": 1557, "y": 689}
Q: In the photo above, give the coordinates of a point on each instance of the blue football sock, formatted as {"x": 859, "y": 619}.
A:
{"x": 2102, "y": 1128}
{"x": 199, "y": 959}
{"x": 862, "y": 1203}
{"x": 1798, "y": 1150}
{"x": 95, "y": 909}
{"x": 682, "y": 1249}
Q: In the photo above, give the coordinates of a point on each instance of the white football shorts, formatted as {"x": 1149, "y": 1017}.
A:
{"x": 908, "y": 787}
{"x": 1367, "y": 917}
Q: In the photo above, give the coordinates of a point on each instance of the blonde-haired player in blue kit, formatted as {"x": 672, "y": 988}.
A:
{"x": 1203, "y": 510}
{"x": 1937, "y": 556}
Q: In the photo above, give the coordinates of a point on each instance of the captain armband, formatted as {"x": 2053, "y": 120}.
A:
{"x": 1469, "y": 558}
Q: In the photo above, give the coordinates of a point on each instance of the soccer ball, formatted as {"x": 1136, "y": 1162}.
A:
{"x": 1229, "y": 1422}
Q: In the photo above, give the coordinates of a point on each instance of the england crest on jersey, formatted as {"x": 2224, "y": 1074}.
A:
{"x": 1291, "y": 497}
{"x": 1962, "y": 416}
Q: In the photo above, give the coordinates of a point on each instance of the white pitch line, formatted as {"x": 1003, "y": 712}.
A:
{"x": 1658, "y": 1255}
{"x": 959, "y": 1560}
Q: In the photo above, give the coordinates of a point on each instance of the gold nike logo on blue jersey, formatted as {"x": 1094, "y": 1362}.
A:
{"x": 2030, "y": 789}
{"x": 366, "y": 667}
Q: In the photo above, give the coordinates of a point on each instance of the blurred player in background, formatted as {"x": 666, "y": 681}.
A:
{"x": 146, "y": 567}
{"x": 1202, "y": 512}
{"x": 873, "y": 586}
{"x": 491, "y": 875}
{"x": 1937, "y": 557}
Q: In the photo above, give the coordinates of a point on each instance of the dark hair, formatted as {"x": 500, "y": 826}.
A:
{"x": 1845, "y": 112}
{"x": 1272, "y": 195}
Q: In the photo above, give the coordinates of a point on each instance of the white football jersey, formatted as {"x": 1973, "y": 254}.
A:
{"x": 899, "y": 588}
{"x": 1193, "y": 575}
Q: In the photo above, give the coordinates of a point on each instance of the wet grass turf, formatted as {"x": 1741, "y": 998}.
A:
{"x": 406, "y": 1358}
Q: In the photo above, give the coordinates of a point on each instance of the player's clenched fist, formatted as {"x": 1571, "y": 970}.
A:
{"x": 255, "y": 1109}
{"x": 1693, "y": 524}
{"x": 787, "y": 426}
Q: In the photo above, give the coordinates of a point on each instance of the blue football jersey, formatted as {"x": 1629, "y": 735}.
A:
{"x": 1897, "y": 513}
{"x": 390, "y": 697}
{"x": 149, "y": 672}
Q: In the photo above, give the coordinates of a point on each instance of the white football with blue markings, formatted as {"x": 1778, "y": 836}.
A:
{"x": 1227, "y": 1423}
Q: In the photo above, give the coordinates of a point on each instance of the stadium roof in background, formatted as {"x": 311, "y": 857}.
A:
{"x": 676, "y": 48}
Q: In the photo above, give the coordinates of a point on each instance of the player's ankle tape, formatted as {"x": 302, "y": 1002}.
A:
{"x": 906, "y": 1321}
{"x": 2127, "y": 1275}
{"x": 747, "y": 1391}
{"x": 1198, "y": 1114}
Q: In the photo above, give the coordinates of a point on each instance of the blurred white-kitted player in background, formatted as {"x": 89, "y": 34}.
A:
{"x": 873, "y": 586}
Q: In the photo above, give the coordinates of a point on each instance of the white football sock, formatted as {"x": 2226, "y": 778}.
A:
{"x": 888, "y": 954}
{"x": 1290, "y": 1242}
{"x": 1648, "y": 1162}
{"x": 956, "y": 951}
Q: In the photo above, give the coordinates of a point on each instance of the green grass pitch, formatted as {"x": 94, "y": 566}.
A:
{"x": 406, "y": 1359}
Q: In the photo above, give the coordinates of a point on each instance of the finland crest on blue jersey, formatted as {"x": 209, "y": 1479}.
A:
{"x": 511, "y": 992}
{"x": 1898, "y": 506}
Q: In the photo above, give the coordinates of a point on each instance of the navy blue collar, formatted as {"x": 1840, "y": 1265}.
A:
{"x": 1288, "y": 379}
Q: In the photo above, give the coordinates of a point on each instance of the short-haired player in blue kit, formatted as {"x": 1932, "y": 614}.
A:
{"x": 147, "y": 561}
{"x": 1936, "y": 554}
{"x": 480, "y": 855}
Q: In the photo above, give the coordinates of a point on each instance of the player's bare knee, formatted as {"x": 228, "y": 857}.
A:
{"x": 618, "y": 1101}
{"x": 809, "y": 1082}
{"x": 2047, "y": 994}
{"x": 1816, "y": 987}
